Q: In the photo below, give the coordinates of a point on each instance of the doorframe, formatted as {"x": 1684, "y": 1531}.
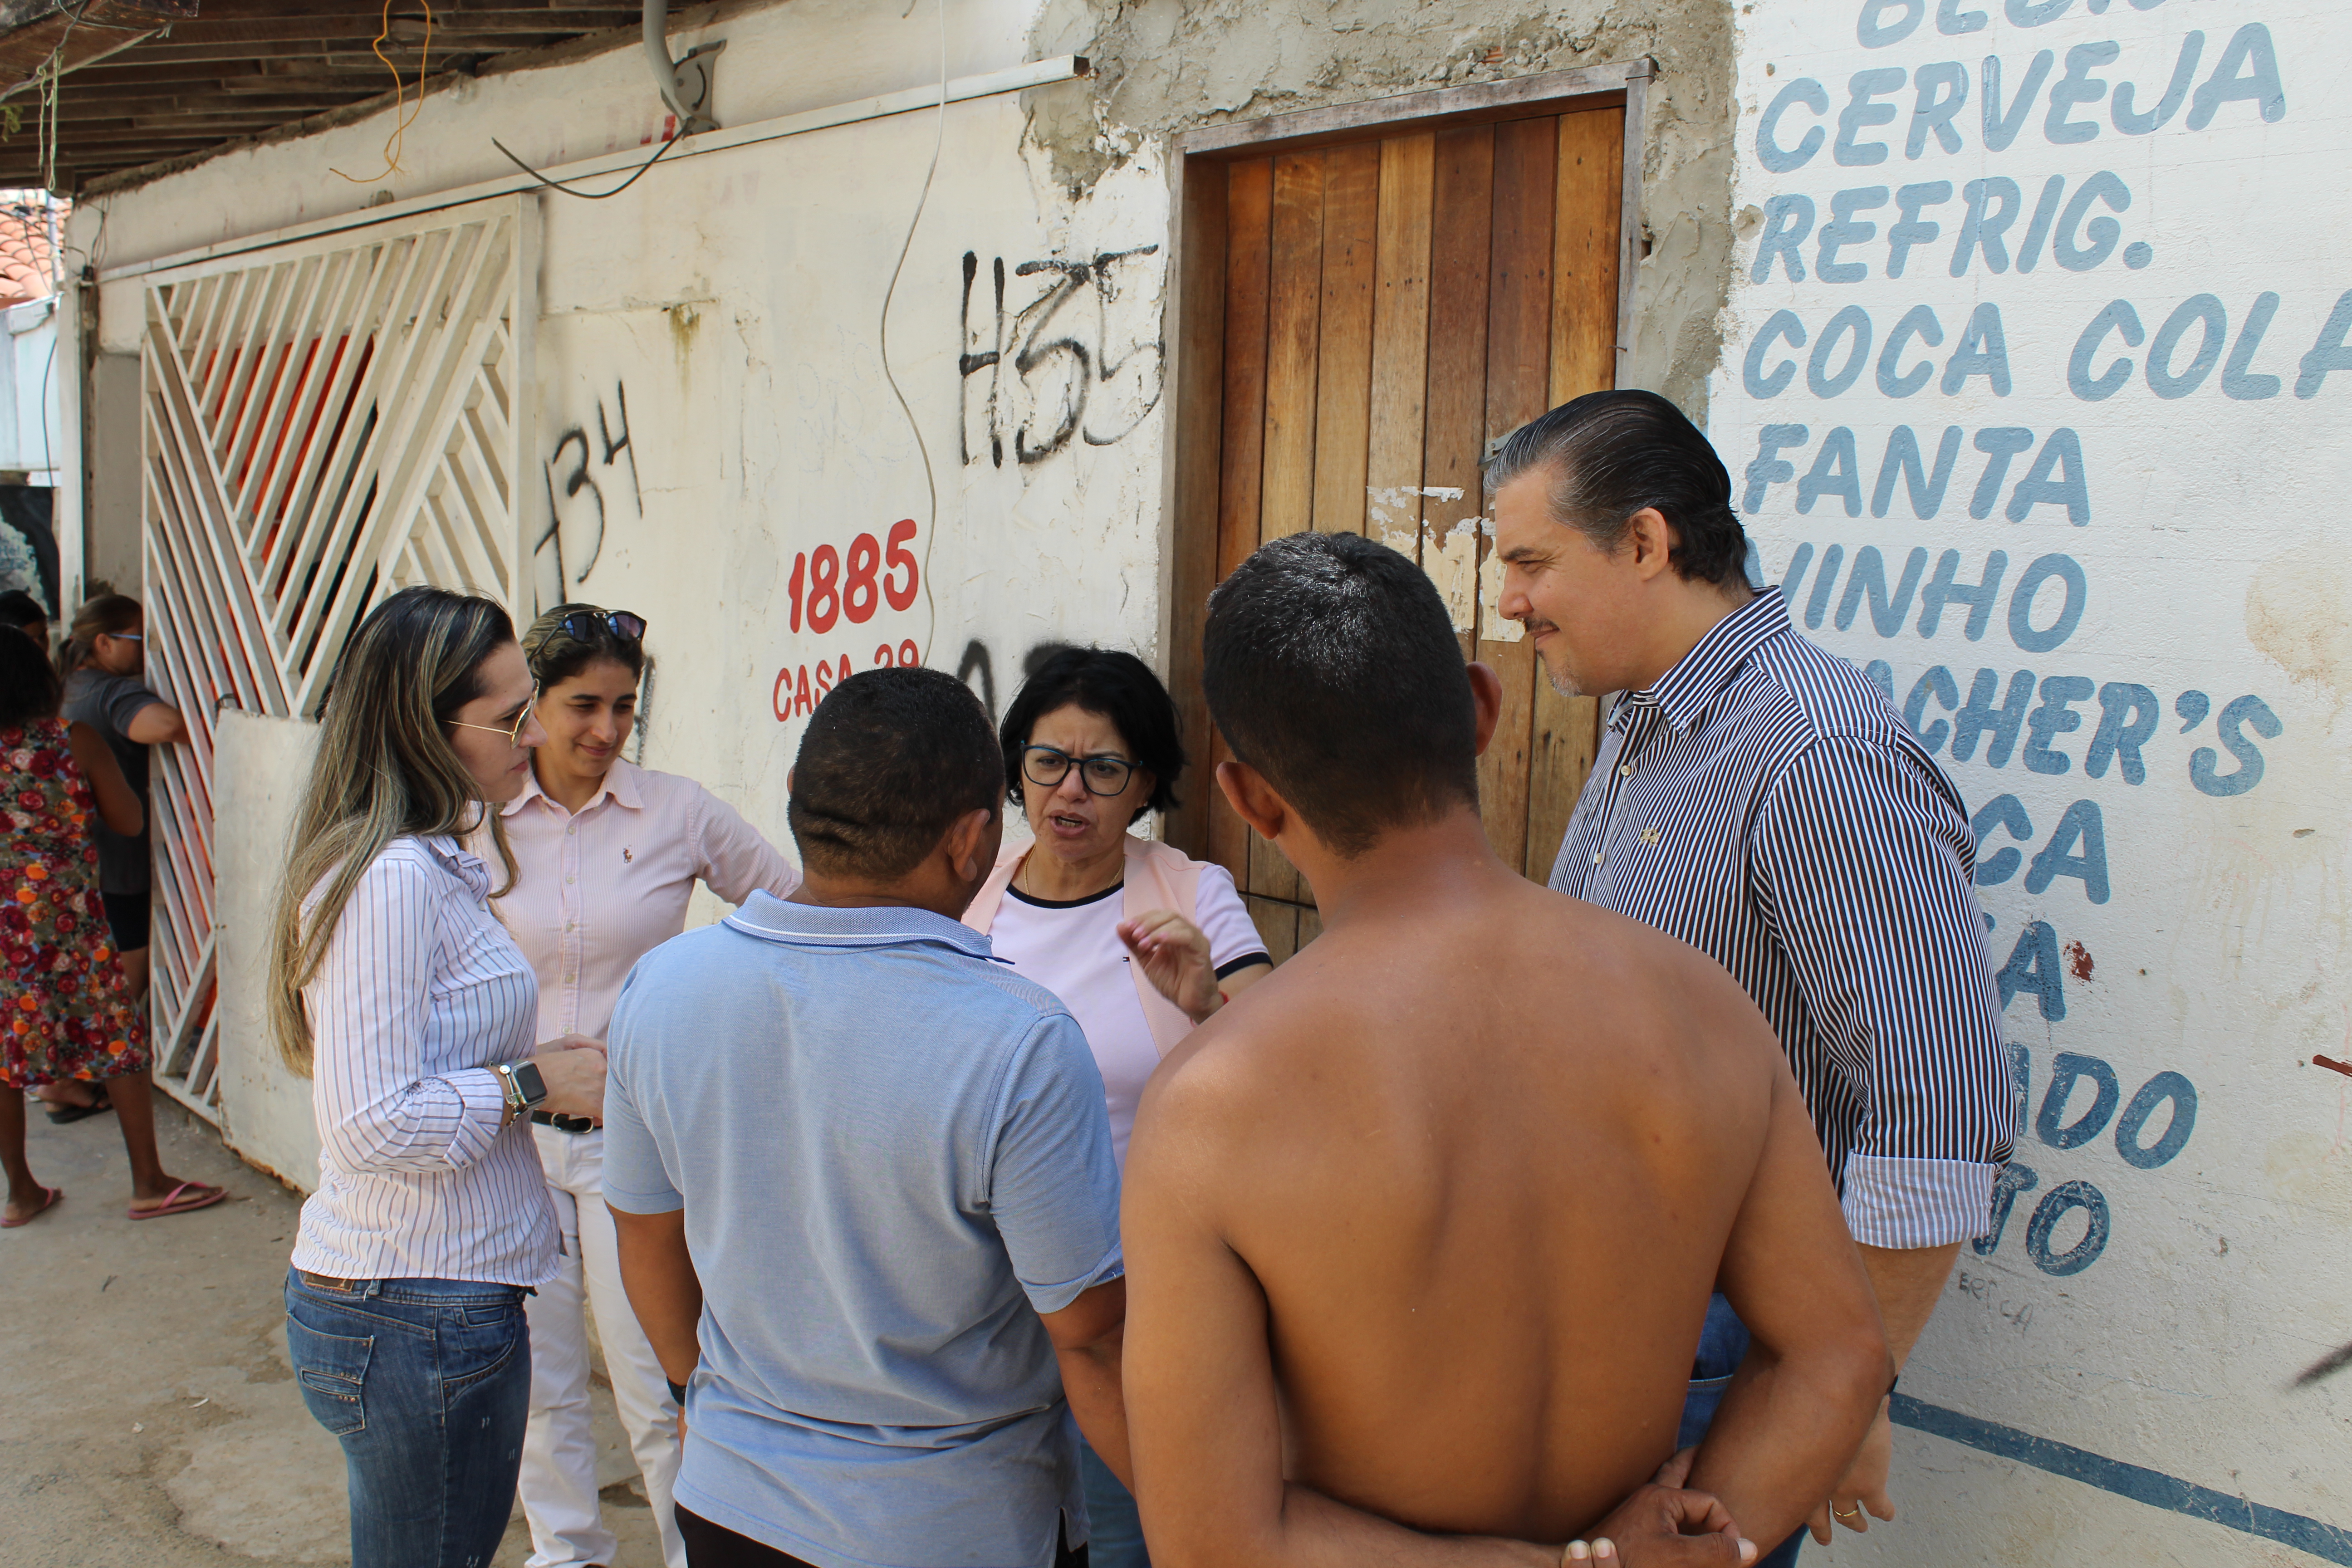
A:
{"x": 1194, "y": 329}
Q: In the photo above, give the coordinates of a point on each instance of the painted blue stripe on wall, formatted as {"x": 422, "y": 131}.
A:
{"x": 2154, "y": 1488}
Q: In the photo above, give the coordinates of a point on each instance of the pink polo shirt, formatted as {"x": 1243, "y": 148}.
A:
{"x": 596, "y": 891}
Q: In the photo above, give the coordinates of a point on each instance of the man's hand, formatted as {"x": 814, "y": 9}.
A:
{"x": 1863, "y": 1485}
{"x": 1668, "y": 1528}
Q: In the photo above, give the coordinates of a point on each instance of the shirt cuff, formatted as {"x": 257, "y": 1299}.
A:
{"x": 629, "y": 1201}
{"x": 1054, "y": 1297}
{"x": 481, "y": 1107}
{"x": 1901, "y": 1204}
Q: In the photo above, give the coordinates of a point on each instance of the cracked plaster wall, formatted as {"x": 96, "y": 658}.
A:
{"x": 1166, "y": 66}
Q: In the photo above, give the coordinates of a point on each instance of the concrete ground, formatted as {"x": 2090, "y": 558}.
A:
{"x": 148, "y": 1415}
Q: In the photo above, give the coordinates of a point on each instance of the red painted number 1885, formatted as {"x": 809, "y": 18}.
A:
{"x": 820, "y": 589}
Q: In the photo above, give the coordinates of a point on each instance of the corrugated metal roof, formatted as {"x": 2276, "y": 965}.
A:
{"x": 164, "y": 82}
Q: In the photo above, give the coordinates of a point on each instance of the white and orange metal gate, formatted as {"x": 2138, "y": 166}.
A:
{"x": 326, "y": 420}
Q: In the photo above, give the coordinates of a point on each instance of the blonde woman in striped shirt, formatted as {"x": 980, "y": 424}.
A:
{"x": 398, "y": 992}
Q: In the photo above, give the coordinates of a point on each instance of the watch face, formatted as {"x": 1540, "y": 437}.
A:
{"x": 529, "y": 1080}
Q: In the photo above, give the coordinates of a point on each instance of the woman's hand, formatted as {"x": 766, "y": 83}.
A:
{"x": 573, "y": 1071}
{"x": 1175, "y": 956}
{"x": 1863, "y": 1485}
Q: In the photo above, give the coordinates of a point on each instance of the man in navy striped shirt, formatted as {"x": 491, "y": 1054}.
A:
{"x": 1759, "y": 798}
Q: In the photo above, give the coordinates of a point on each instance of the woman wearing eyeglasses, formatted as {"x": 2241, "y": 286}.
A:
{"x": 607, "y": 854}
{"x": 1139, "y": 942}
{"x": 396, "y": 990}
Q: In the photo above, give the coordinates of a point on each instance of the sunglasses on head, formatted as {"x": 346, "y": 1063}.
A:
{"x": 580, "y": 625}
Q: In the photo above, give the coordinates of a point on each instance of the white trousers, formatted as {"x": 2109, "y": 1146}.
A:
{"x": 558, "y": 1451}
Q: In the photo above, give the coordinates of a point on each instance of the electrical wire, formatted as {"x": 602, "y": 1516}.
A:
{"x": 565, "y": 186}
{"x": 397, "y": 141}
{"x": 48, "y": 459}
{"x": 94, "y": 257}
{"x": 930, "y": 478}
{"x": 51, "y": 71}
{"x": 47, "y": 74}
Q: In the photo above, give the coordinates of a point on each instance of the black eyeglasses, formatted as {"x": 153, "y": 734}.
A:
{"x": 1101, "y": 774}
{"x": 580, "y": 625}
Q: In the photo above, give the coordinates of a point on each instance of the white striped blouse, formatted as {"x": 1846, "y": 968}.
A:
{"x": 1764, "y": 804}
{"x": 421, "y": 992}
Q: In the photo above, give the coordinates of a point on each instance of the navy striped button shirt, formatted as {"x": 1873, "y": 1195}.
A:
{"x": 1764, "y": 803}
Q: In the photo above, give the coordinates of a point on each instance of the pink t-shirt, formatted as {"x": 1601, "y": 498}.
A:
{"x": 597, "y": 891}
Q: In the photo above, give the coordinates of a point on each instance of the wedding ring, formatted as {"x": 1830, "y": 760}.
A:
{"x": 1840, "y": 1513}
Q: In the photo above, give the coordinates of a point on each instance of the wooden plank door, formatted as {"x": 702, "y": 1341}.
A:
{"x": 1362, "y": 321}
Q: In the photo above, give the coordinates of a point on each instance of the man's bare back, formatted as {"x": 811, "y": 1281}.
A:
{"x": 1420, "y": 1232}
{"x": 1481, "y": 1159}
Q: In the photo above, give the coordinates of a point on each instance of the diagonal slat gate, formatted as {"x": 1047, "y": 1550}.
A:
{"x": 326, "y": 421}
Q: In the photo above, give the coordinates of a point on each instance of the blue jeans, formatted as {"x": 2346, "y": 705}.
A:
{"x": 1113, "y": 1525}
{"x": 1114, "y": 1528}
{"x": 426, "y": 1383}
{"x": 1722, "y": 1346}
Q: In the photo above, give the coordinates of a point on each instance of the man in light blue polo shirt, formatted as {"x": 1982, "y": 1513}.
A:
{"x": 868, "y": 1208}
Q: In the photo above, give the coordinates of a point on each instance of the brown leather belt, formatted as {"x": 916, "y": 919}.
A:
{"x": 327, "y": 1282}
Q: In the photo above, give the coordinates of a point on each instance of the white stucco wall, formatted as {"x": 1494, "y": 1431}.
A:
{"x": 761, "y": 428}
{"x": 260, "y": 766}
{"x": 2163, "y": 839}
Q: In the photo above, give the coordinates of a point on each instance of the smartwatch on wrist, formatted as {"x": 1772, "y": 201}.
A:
{"x": 525, "y": 1086}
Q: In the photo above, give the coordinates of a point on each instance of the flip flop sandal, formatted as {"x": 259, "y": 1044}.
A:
{"x": 174, "y": 1203}
{"x": 67, "y": 1115}
{"x": 49, "y": 1196}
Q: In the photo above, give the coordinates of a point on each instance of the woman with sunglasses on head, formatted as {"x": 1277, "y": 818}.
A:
{"x": 1139, "y": 942}
{"x": 395, "y": 988}
{"x": 607, "y": 854}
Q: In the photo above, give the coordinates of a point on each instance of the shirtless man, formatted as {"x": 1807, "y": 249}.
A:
{"x": 1419, "y": 1233}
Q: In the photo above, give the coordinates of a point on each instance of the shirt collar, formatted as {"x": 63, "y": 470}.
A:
{"x": 1682, "y": 695}
{"x": 771, "y": 919}
{"x": 620, "y": 786}
{"x": 459, "y": 862}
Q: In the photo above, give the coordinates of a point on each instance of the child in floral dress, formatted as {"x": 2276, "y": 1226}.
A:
{"x": 65, "y": 1010}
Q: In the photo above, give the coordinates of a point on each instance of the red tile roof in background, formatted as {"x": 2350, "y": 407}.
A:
{"x": 26, "y": 266}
